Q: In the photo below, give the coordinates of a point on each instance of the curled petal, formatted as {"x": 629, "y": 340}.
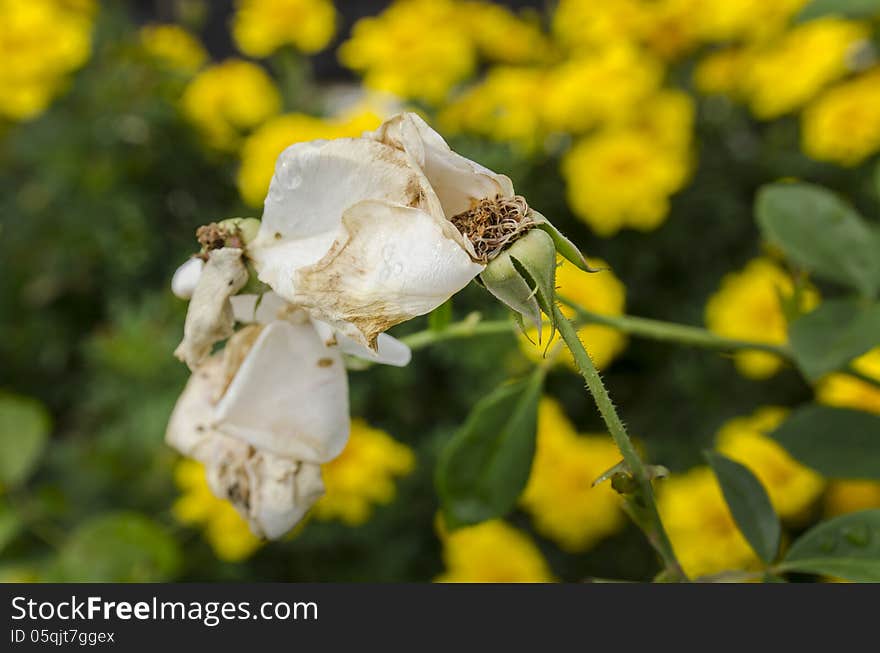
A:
{"x": 209, "y": 318}
{"x": 190, "y": 428}
{"x": 391, "y": 264}
{"x": 289, "y": 397}
{"x": 389, "y": 350}
{"x": 314, "y": 184}
{"x": 281, "y": 492}
{"x": 458, "y": 181}
{"x": 186, "y": 278}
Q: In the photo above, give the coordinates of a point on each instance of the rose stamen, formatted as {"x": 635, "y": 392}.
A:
{"x": 493, "y": 224}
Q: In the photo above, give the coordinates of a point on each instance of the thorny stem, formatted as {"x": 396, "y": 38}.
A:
{"x": 642, "y": 504}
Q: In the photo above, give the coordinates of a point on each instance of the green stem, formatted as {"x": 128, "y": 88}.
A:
{"x": 671, "y": 332}
{"x": 643, "y": 506}
{"x": 464, "y": 329}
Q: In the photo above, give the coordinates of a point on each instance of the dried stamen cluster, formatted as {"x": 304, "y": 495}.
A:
{"x": 493, "y": 224}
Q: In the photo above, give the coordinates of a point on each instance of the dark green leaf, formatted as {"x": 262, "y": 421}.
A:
{"x": 829, "y": 337}
{"x": 24, "y": 429}
{"x": 818, "y": 231}
{"x": 749, "y": 505}
{"x": 441, "y": 316}
{"x": 849, "y": 8}
{"x": 836, "y": 442}
{"x": 485, "y": 466}
{"x": 118, "y": 547}
{"x": 847, "y": 547}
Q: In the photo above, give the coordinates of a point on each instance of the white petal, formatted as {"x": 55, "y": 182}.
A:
{"x": 392, "y": 264}
{"x": 389, "y": 350}
{"x": 186, "y": 278}
{"x": 209, "y": 318}
{"x": 189, "y": 427}
{"x": 281, "y": 492}
{"x": 458, "y": 181}
{"x": 261, "y": 309}
{"x": 290, "y": 396}
{"x": 313, "y": 185}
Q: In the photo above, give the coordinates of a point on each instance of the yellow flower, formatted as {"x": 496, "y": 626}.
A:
{"x": 363, "y": 475}
{"x": 849, "y": 392}
{"x": 559, "y": 496}
{"x": 41, "y": 42}
{"x": 704, "y": 536}
{"x": 723, "y": 20}
{"x": 784, "y": 75}
{"x": 843, "y": 125}
{"x": 260, "y": 27}
{"x": 578, "y": 24}
{"x": 504, "y": 106}
{"x": 174, "y": 46}
{"x": 229, "y": 98}
{"x": 719, "y": 73}
{"x": 851, "y": 496}
{"x": 599, "y": 87}
{"x": 226, "y": 531}
{"x": 792, "y": 488}
{"x": 667, "y": 119}
{"x": 414, "y": 49}
{"x": 747, "y": 307}
{"x": 622, "y": 178}
{"x": 599, "y": 292}
{"x": 492, "y": 552}
{"x": 500, "y": 35}
{"x": 260, "y": 150}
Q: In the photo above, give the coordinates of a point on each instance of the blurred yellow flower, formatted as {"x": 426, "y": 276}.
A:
{"x": 225, "y": 530}
{"x": 599, "y": 292}
{"x": 623, "y": 178}
{"x": 559, "y": 496}
{"x": 492, "y": 552}
{"x": 588, "y": 25}
{"x": 599, "y": 87}
{"x": 704, "y": 536}
{"x": 747, "y": 307}
{"x": 724, "y": 20}
{"x": 719, "y": 72}
{"x": 363, "y": 475}
{"x": 789, "y": 71}
{"x": 792, "y": 488}
{"x": 849, "y": 392}
{"x": 174, "y": 46}
{"x": 843, "y": 124}
{"x": 502, "y": 36}
{"x": 260, "y": 27}
{"x": 851, "y": 496}
{"x": 41, "y": 42}
{"x": 230, "y": 98}
{"x": 260, "y": 150}
{"x": 504, "y": 106}
{"x": 414, "y": 49}
{"x": 667, "y": 119}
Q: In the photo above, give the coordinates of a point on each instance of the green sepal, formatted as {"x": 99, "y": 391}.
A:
{"x": 564, "y": 246}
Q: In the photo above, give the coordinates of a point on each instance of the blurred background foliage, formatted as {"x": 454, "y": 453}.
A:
{"x": 643, "y": 129}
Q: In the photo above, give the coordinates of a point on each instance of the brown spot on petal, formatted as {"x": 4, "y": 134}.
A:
{"x": 325, "y": 362}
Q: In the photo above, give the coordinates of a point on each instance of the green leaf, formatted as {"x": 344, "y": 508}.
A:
{"x": 118, "y": 547}
{"x": 10, "y": 525}
{"x": 24, "y": 429}
{"x": 441, "y": 316}
{"x": 567, "y": 249}
{"x": 828, "y": 338}
{"x": 837, "y": 442}
{"x": 818, "y": 231}
{"x": 848, "y": 8}
{"x": 749, "y": 505}
{"x": 847, "y": 546}
{"x": 485, "y": 467}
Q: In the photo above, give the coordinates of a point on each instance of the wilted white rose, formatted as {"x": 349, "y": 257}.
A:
{"x": 369, "y": 232}
{"x": 262, "y": 416}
